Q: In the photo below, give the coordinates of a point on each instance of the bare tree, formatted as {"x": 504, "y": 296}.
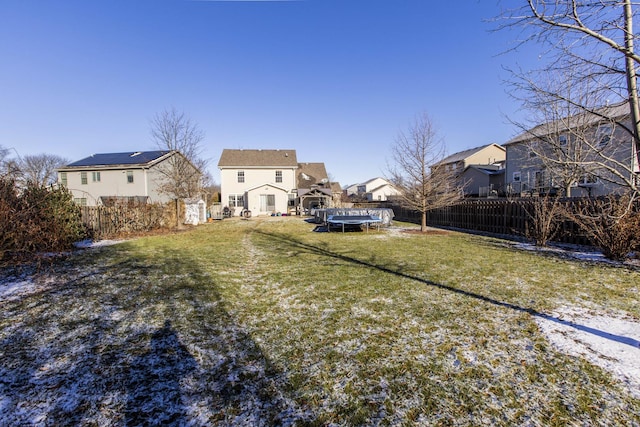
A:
{"x": 544, "y": 216}
{"x": 417, "y": 173}
{"x": 8, "y": 165}
{"x": 40, "y": 169}
{"x": 589, "y": 45}
{"x": 182, "y": 173}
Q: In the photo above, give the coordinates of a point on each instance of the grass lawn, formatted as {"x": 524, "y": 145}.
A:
{"x": 265, "y": 322}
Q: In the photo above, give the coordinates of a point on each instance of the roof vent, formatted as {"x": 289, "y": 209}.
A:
{"x": 137, "y": 153}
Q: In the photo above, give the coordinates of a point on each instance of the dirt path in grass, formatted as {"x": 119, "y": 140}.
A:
{"x": 253, "y": 258}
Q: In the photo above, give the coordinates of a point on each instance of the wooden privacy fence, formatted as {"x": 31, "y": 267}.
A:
{"x": 119, "y": 219}
{"x": 496, "y": 216}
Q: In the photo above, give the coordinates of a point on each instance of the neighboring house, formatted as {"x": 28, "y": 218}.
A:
{"x": 262, "y": 181}
{"x": 374, "y": 190}
{"x": 478, "y": 170}
{"x": 112, "y": 177}
{"x": 313, "y": 187}
{"x": 589, "y": 141}
{"x": 483, "y": 180}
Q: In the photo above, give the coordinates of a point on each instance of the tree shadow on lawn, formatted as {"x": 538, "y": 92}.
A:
{"x": 87, "y": 352}
{"x": 154, "y": 381}
{"x": 297, "y": 244}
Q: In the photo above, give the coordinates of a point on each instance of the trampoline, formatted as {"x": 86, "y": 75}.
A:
{"x": 352, "y": 221}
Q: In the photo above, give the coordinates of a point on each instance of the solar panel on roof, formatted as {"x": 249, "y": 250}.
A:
{"x": 129, "y": 158}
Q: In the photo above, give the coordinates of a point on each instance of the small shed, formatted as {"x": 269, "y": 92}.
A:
{"x": 195, "y": 211}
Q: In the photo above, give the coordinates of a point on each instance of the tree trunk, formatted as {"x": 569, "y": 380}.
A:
{"x": 632, "y": 86}
{"x": 567, "y": 190}
{"x": 423, "y": 224}
{"x": 177, "y": 213}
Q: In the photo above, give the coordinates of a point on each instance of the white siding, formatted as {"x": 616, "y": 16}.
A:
{"x": 112, "y": 183}
{"x": 382, "y": 193}
{"x": 254, "y": 177}
{"x": 254, "y": 200}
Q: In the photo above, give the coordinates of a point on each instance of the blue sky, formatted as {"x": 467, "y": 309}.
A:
{"x": 336, "y": 80}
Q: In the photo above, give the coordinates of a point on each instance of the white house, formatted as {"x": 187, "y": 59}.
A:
{"x": 262, "y": 181}
{"x": 268, "y": 182}
{"x": 105, "y": 177}
{"x": 375, "y": 189}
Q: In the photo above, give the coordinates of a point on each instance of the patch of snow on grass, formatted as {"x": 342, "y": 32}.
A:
{"x": 15, "y": 289}
{"x": 577, "y": 254}
{"x": 613, "y": 343}
{"x": 86, "y": 244}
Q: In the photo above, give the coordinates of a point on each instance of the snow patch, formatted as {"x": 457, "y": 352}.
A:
{"x": 610, "y": 342}
{"x": 88, "y": 243}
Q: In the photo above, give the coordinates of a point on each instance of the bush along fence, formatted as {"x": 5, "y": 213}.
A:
{"x": 510, "y": 217}
{"x": 36, "y": 219}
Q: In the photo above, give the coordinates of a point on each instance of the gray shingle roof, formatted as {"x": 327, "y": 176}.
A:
{"x": 257, "y": 158}
{"x": 311, "y": 173}
{"x": 613, "y": 112}
{"x": 113, "y": 159}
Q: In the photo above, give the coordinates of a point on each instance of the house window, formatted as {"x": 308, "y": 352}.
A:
{"x": 516, "y": 177}
{"x": 587, "y": 180}
{"x": 236, "y": 200}
{"x": 603, "y": 135}
{"x": 129, "y": 177}
{"x": 80, "y": 201}
{"x": 562, "y": 141}
{"x": 95, "y": 176}
{"x": 63, "y": 178}
{"x": 241, "y": 176}
{"x": 292, "y": 200}
{"x": 83, "y": 178}
{"x": 278, "y": 176}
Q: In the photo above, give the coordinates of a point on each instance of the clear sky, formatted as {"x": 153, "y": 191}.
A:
{"x": 336, "y": 80}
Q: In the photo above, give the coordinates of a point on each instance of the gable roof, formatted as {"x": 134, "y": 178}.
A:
{"x": 115, "y": 159}
{"x": 380, "y": 187}
{"x": 240, "y": 158}
{"x": 311, "y": 173}
{"x": 613, "y": 112}
{"x": 461, "y": 155}
{"x": 316, "y": 191}
{"x": 278, "y": 187}
{"x": 372, "y": 180}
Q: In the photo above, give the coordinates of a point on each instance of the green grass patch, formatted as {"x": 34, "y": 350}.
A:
{"x": 264, "y": 321}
